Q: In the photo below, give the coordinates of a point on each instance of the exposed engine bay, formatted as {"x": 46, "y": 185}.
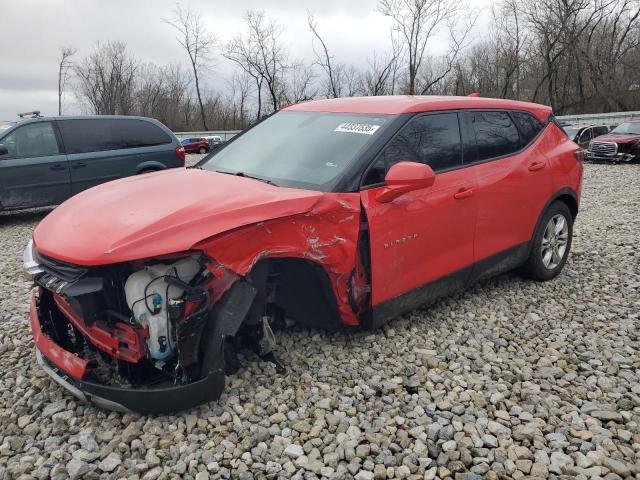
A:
{"x": 145, "y": 327}
{"x": 142, "y": 324}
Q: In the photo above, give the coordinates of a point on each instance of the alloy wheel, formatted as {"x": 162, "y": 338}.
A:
{"x": 554, "y": 241}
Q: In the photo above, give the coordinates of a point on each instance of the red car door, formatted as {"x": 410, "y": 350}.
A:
{"x": 426, "y": 234}
{"x": 513, "y": 180}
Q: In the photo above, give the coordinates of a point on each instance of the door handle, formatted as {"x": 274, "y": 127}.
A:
{"x": 537, "y": 166}
{"x": 79, "y": 165}
{"x": 58, "y": 166}
{"x": 463, "y": 193}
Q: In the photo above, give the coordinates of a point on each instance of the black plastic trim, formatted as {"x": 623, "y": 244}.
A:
{"x": 159, "y": 400}
{"x": 427, "y": 293}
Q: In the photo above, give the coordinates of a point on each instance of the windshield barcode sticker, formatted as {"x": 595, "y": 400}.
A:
{"x": 364, "y": 128}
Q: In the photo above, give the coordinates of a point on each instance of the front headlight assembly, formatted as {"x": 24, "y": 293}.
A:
{"x": 29, "y": 264}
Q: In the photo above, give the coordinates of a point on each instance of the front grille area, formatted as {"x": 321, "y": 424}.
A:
{"x": 61, "y": 270}
{"x": 603, "y": 148}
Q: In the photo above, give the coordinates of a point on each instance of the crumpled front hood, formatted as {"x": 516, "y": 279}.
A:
{"x": 622, "y": 139}
{"x": 160, "y": 213}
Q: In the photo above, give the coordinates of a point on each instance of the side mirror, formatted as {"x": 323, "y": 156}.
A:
{"x": 3, "y": 150}
{"x": 405, "y": 177}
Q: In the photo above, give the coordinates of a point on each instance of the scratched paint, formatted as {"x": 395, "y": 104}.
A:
{"x": 327, "y": 234}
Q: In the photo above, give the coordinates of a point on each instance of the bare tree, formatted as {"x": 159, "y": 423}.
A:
{"x": 197, "y": 41}
{"x": 417, "y": 21}
{"x": 298, "y": 84}
{"x": 262, "y": 55}
{"x": 106, "y": 79}
{"x": 439, "y": 69}
{"x": 240, "y": 87}
{"x": 65, "y": 66}
{"x": 245, "y": 55}
{"x": 611, "y": 51}
{"x": 556, "y": 25}
{"x": 376, "y": 78}
{"x": 324, "y": 60}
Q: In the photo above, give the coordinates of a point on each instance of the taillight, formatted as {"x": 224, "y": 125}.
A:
{"x": 579, "y": 154}
{"x": 181, "y": 153}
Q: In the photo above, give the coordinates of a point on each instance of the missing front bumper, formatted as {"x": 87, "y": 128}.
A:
{"x": 69, "y": 370}
{"x": 141, "y": 400}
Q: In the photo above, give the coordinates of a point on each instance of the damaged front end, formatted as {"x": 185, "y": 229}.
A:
{"x": 145, "y": 336}
{"x": 123, "y": 323}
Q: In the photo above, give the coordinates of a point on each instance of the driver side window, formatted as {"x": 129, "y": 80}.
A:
{"x": 32, "y": 140}
{"x": 433, "y": 139}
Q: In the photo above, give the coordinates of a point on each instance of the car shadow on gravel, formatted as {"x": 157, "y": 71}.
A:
{"x": 24, "y": 216}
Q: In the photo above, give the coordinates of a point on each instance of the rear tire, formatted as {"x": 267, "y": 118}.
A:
{"x": 148, "y": 170}
{"x": 551, "y": 243}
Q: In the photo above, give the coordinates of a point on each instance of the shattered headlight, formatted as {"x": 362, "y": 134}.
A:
{"x": 29, "y": 264}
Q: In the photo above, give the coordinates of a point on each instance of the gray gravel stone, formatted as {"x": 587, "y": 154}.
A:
{"x": 77, "y": 468}
{"x": 110, "y": 463}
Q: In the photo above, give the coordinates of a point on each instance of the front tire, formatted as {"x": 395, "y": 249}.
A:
{"x": 203, "y": 150}
{"x": 551, "y": 244}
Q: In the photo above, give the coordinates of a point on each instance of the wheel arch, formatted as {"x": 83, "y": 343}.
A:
{"x": 566, "y": 195}
{"x": 301, "y": 287}
{"x": 569, "y": 197}
{"x": 150, "y": 166}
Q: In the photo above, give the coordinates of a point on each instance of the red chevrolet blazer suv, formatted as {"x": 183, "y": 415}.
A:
{"x": 329, "y": 213}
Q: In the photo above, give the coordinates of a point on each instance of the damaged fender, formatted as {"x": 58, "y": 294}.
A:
{"x": 327, "y": 235}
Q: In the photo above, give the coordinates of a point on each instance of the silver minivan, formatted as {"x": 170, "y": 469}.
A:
{"x": 44, "y": 161}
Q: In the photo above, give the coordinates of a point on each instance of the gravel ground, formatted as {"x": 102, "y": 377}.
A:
{"x": 509, "y": 379}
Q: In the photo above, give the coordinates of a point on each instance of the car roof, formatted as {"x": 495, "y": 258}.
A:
{"x": 397, "y": 104}
{"x": 22, "y": 121}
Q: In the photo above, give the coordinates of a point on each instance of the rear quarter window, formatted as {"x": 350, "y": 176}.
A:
{"x": 95, "y": 135}
{"x": 528, "y": 125}
{"x": 496, "y": 134}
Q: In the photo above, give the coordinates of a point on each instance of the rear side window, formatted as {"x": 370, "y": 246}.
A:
{"x": 95, "y": 135}
{"x": 528, "y": 125}
{"x": 432, "y": 139}
{"x": 496, "y": 135}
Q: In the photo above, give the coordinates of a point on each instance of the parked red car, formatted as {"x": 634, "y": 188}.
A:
{"x": 195, "y": 145}
{"x": 622, "y": 144}
{"x": 331, "y": 213}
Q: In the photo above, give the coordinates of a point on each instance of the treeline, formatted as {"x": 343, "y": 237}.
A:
{"x": 579, "y": 56}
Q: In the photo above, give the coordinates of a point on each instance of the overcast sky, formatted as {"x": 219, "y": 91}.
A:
{"x": 33, "y": 31}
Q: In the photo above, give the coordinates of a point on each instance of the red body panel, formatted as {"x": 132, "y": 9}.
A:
{"x": 421, "y": 235}
{"x": 160, "y": 213}
{"x": 327, "y": 234}
{"x": 511, "y": 194}
{"x": 70, "y": 363}
{"x": 121, "y": 341}
{"x": 566, "y": 172}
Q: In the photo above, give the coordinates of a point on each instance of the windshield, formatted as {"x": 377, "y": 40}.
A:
{"x": 627, "y": 128}
{"x": 298, "y": 149}
{"x": 571, "y": 131}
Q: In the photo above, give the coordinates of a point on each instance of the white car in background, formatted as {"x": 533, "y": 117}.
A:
{"x": 214, "y": 141}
